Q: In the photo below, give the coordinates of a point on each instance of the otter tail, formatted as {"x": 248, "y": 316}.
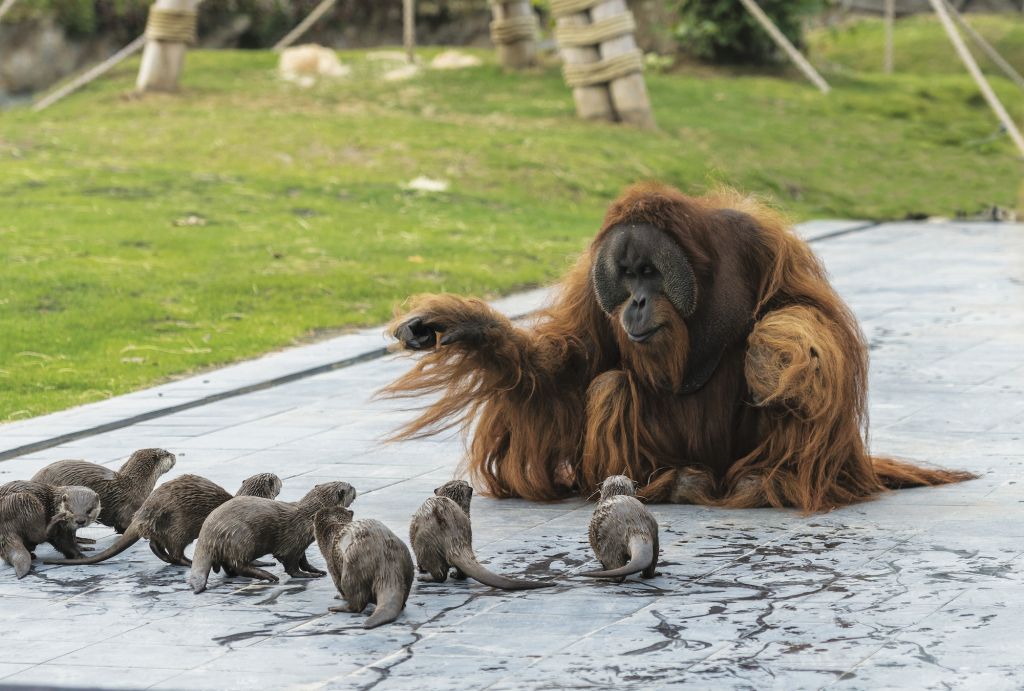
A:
{"x": 467, "y": 563}
{"x": 390, "y": 603}
{"x": 130, "y": 537}
{"x": 641, "y": 555}
{"x": 17, "y": 555}
{"x": 901, "y": 475}
{"x": 202, "y": 562}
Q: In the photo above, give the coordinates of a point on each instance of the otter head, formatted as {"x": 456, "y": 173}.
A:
{"x": 459, "y": 491}
{"x": 617, "y": 484}
{"x": 149, "y": 462}
{"x": 336, "y": 516}
{"x": 329, "y": 494}
{"x": 266, "y": 485}
{"x": 79, "y": 507}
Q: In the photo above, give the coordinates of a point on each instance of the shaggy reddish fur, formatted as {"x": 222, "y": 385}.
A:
{"x": 556, "y": 408}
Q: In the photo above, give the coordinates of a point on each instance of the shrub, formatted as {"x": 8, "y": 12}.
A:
{"x": 723, "y": 31}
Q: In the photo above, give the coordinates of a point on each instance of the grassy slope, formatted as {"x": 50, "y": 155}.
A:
{"x": 105, "y": 288}
{"x": 918, "y": 44}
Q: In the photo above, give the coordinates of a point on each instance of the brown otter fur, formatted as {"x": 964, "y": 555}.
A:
{"x": 122, "y": 492}
{"x": 442, "y": 537}
{"x": 245, "y": 528}
{"x": 367, "y": 562}
{"x": 66, "y": 509}
{"x": 623, "y": 532}
{"x": 22, "y": 527}
{"x": 172, "y": 516}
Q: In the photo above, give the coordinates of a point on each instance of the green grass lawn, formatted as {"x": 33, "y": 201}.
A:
{"x": 919, "y": 45}
{"x": 145, "y": 238}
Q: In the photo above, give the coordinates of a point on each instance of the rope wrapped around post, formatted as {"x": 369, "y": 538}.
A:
{"x": 601, "y": 61}
{"x": 603, "y": 71}
{"x": 173, "y": 26}
{"x": 563, "y": 8}
{"x": 514, "y": 32}
{"x": 597, "y": 32}
{"x": 514, "y": 29}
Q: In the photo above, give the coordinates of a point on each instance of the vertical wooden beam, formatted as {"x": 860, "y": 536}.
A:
{"x": 782, "y": 42}
{"x": 890, "y": 25}
{"x": 164, "y": 60}
{"x": 518, "y": 53}
{"x": 972, "y": 67}
{"x": 592, "y": 102}
{"x": 409, "y": 29}
{"x": 629, "y": 93}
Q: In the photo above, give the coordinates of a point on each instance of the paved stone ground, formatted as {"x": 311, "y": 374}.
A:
{"x": 921, "y": 588}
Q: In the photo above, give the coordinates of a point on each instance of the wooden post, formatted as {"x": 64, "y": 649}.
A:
{"x": 171, "y": 27}
{"x": 629, "y": 93}
{"x": 601, "y": 60}
{"x": 409, "y": 29}
{"x": 986, "y": 47}
{"x": 514, "y": 32}
{"x": 972, "y": 67}
{"x": 890, "y": 25}
{"x": 593, "y": 102}
{"x": 5, "y": 6}
{"x": 782, "y": 42}
{"x": 304, "y": 26}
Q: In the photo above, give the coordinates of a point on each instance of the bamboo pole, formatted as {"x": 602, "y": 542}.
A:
{"x": 890, "y": 26}
{"x": 972, "y": 67}
{"x": 986, "y": 47}
{"x": 782, "y": 42}
{"x": 409, "y": 29}
{"x": 304, "y": 26}
{"x": 90, "y": 75}
{"x": 5, "y": 6}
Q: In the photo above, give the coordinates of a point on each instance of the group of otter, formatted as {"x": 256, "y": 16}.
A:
{"x": 366, "y": 560}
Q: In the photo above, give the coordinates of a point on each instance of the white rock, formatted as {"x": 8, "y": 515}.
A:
{"x": 454, "y": 60}
{"x": 303, "y": 64}
{"x": 425, "y": 184}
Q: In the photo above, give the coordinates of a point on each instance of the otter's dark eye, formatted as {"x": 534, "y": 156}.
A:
{"x": 647, "y": 271}
{"x": 628, "y": 273}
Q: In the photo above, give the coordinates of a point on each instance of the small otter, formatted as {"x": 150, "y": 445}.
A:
{"x": 121, "y": 492}
{"x": 172, "y": 516}
{"x": 442, "y": 536}
{"x": 66, "y": 510}
{"x": 367, "y": 562}
{"x": 623, "y": 532}
{"x": 22, "y": 527}
{"x": 245, "y": 528}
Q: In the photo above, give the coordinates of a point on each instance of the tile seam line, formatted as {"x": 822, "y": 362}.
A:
{"x": 367, "y": 356}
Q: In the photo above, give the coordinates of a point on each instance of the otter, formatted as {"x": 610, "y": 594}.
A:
{"x": 66, "y": 509}
{"x": 367, "y": 562}
{"x": 172, "y": 516}
{"x": 122, "y": 492}
{"x": 22, "y": 527}
{"x": 245, "y": 528}
{"x": 442, "y": 536}
{"x": 623, "y": 533}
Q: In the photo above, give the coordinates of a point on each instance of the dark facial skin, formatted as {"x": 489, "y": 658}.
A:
{"x": 643, "y": 281}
